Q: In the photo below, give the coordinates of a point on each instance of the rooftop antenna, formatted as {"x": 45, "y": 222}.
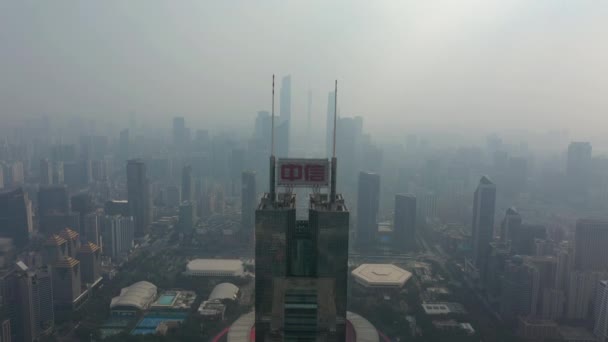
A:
{"x": 272, "y": 158}
{"x": 334, "y": 160}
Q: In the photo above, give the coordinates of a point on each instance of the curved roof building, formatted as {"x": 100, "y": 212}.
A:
{"x": 381, "y": 275}
{"x": 137, "y": 296}
{"x": 358, "y": 329}
{"x": 224, "y": 291}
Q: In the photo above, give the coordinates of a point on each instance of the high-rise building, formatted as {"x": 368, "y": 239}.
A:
{"x": 53, "y": 200}
{"x": 523, "y": 237}
{"x": 368, "y": 201}
{"x": 89, "y": 255}
{"x": 187, "y": 184}
{"x": 405, "y": 222}
{"x": 601, "y": 312}
{"x": 512, "y": 221}
{"x": 181, "y": 135}
{"x": 27, "y": 297}
{"x": 517, "y": 289}
{"x": 590, "y": 241}
{"x": 186, "y": 218}
{"x": 66, "y": 282}
{"x": 483, "y": 223}
{"x": 301, "y": 269}
{"x": 123, "y": 144}
{"x": 16, "y": 216}
{"x": 46, "y": 172}
{"x": 582, "y": 288}
{"x": 578, "y": 167}
{"x": 138, "y": 193}
{"x": 82, "y": 204}
{"x": 117, "y": 235}
{"x": 248, "y": 203}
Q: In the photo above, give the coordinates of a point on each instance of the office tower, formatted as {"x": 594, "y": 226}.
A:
{"x": 117, "y": 235}
{"x": 89, "y": 255}
{"x": 601, "y": 312}
{"x": 282, "y": 136}
{"x": 172, "y": 196}
{"x": 186, "y": 218}
{"x": 483, "y": 223}
{"x": 499, "y": 254}
{"x": 16, "y": 173}
{"x": 181, "y": 134}
{"x": 523, "y": 237}
{"x": 368, "y": 201}
{"x": 590, "y": 241}
{"x": 66, "y": 282}
{"x": 237, "y": 165}
{"x": 331, "y": 104}
{"x": 565, "y": 263}
{"x": 90, "y": 230}
{"x": 405, "y": 222}
{"x": 54, "y": 248}
{"x": 582, "y": 288}
{"x": 82, "y": 204}
{"x": 99, "y": 170}
{"x": 301, "y": 269}
{"x": 512, "y": 221}
{"x": 349, "y": 140}
{"x": 16, "y": 216}
{"x": 138, "y": 193}
{"x": 73, "y": 241}
{"x": 517, "y": 289}
{"x": 58, "y": 174}
{"x": 46, "y": 172}
{"x": 187, "y": 184}
{"x": 118, "y": 207}
{"x": 77, "y": 173}
{"x": 123, "y": 145}
{"x": 30, "y": 303}
{"x": 578, "y": 167}
{"x": 553, "y": 303}
{"x": 248, "y": 204}
{"x": 1, "y": 177}
{"x": 545, "y": 269}
{"x": 426, "y": 206}
{"x": 53, "y": 200}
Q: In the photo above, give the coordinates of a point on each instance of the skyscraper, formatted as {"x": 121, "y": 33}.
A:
{"x": 46, "y": 172}
{"x": 368, "y": 201}
{"x": 187, "y": 184}
{"x": 483, "y": 223}
{"x": 601, "y": 312}
{"x": 511, "y": 221}
{"x": 578, "y": 167}
{"x": 16, "y": 216}
{"x": 181, "y": 135}
{"x": 405, "y": 222}
{"x": 301, "y": 265}
{"x": 248, "y": 201}
{"x": 117, "y": 235}
{"x": 138, "y": 193}
{"x": 590, "y": 242}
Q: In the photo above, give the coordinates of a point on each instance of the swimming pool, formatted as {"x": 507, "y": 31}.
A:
{"x": 166, "y": 299}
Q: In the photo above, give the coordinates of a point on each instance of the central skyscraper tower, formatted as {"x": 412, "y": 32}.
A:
{"x": 301, "y": 265}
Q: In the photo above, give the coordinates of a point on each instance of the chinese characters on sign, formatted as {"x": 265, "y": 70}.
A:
{"x": 303, "y": 172}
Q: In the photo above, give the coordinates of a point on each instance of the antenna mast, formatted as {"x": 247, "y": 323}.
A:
{"x": 334, "y": 160}
{"x": 272, "y": 158}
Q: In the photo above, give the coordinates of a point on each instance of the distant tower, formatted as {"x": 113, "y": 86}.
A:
{"x": 46, "y": 172}
{"x": 512, "y": 221}
{"x": 283, "y": 127}
{"x": 578, "y": 166}
{"x": 601, "y": 312}
{"x": 483, "y": 223}
{"x": 248, "y": 203}
{"x": 405, "y": 222}
{"x": 16, "y": 216}
{"x": 368, "y": 202}
{"x": 187, "y": 184}
{"x": 138, "y": 193}
{"x": 590, "y": 245}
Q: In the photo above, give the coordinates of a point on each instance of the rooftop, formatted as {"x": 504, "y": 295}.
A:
{"x": 382, "y": 275}
{"x": 68, "y": 234}
{"x": 66, "y": 262}
{"x": 54, "y": 240}
{"x": 233, "y": 266}
{"x": 88, "y": 248}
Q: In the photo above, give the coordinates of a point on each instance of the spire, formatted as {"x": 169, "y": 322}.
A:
{"x": 334, "y": 160}
{"x": 272, "y": 158}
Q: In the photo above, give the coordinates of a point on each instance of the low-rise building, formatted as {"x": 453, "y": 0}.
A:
{"x": 381, "y": 276}
{"x": 215, "y": 268}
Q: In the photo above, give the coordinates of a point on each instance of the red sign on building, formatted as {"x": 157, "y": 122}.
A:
{"x": 303, "y": 172}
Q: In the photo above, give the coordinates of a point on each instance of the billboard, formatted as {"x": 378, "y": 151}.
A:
{"x": 303, "y": 172}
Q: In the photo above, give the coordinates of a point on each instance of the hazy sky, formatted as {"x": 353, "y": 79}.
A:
{"x": 518, "y": 64}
